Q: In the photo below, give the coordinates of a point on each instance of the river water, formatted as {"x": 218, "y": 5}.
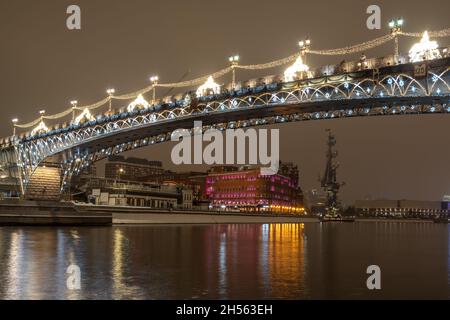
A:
{"x": 236, "y": 261}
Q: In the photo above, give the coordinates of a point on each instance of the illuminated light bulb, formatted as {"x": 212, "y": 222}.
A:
{"x": 138, "y": 102}
{"x": 424, "y": 50}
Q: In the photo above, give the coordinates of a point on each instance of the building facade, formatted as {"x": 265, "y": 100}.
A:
{"x": 401, "y": 208}
{"x": 191, "y": 179}
{"x": 111, "y": 192}
{"x": 246, "y": 189}
{"x": 131, "y": 169}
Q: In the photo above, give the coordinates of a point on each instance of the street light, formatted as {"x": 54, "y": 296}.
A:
{"x": 234, "y": 60}
{"x": 110, "y": 93}
{"x": 396, "y": 27}
{"x": 304, "y": 47}
{"x": 304, "y": 44}
{"x": 120, "y": 173}
{"x": 42, "y": 113}
{"x": 154, "y": 81}
{"x": 74, "y": 106}
{"x": 14, "y": 121}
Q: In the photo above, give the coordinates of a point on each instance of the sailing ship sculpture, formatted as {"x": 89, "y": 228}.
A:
{"x": 330, "y": 185}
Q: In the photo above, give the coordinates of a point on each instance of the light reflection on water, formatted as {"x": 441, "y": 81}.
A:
{"x": 283, "y": 261}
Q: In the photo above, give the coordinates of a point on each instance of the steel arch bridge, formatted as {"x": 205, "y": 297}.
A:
{"x": 379, "y": 90}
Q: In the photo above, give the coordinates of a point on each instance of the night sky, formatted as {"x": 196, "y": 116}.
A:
{"x": 44, "y": 66}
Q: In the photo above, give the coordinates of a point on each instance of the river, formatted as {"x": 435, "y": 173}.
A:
{"x": 235, "y": 261}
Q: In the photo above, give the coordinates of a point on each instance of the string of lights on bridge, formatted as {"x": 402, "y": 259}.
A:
{"x": 423, "y": 50}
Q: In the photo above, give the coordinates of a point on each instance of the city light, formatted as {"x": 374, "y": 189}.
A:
{"x": 234, "y": 59}
{"x": 14, "y": 121}
{"x": 110, "y": 93}
{"x": 396, "y": 24}
{"x": 304, "y": 44}
{"x": 154, "y": 79}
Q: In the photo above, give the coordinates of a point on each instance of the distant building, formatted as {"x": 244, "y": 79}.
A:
{"x": 246, "y": 189}
{"x": 131, "y": 169}
{"x": 288, "y": 169}
{"x": 110, "y": 192}
{"x": 194, "y": 180}
{"x": 400, "y": 208}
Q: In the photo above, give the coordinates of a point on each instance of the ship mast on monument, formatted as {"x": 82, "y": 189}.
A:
{"x": 329, "y": 182}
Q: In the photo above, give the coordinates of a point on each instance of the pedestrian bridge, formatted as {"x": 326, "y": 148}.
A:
{"x": 392, "y": 85}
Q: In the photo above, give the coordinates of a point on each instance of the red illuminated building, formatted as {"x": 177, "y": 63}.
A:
{"x": 246, "y": 189}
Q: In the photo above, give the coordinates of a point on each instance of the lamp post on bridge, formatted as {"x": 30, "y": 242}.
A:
{"x": 14, "y": 121}
{"x": 42, "y": 113}
{"x": 110, "y": 93}
{"x": 234, "y": 60}
{"x": 396, "y": 27}
{"x": 74, "y": 106}
{"x": 304, "y": 48}
{"x": 154, "y": 81}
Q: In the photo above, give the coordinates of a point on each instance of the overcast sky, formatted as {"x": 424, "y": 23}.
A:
{"x": 44, "y": 66}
